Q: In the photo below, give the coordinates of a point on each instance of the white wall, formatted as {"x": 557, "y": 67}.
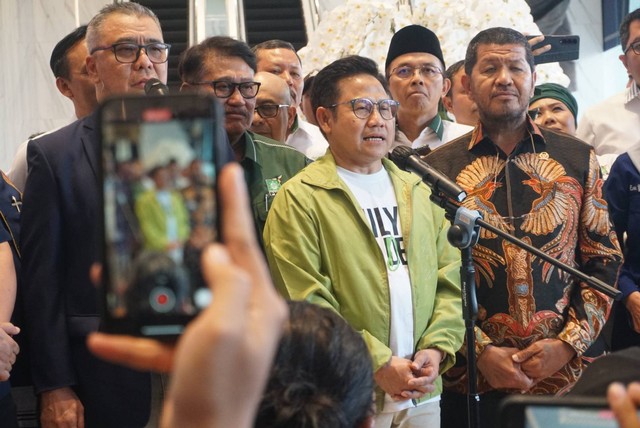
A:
{"x": 29, "y": 100}
{"x": 599, "y": 74}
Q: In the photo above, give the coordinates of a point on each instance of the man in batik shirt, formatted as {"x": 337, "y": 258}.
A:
{"x": 534, "y": 321}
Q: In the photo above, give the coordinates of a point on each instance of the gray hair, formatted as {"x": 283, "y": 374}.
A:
{"x": 128, "y": 8}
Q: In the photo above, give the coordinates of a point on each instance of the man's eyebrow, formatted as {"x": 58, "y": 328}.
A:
{"x": 135, "y": 40}
{"x": 269, "y": 101}
{"x": 422, "y": 64}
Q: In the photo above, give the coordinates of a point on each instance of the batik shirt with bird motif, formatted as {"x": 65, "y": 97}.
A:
{"x": 548, "y": 193}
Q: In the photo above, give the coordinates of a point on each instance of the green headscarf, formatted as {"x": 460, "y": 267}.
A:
{"x": 556, "y": 92}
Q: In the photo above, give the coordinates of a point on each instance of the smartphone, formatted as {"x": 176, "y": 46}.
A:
{"x": 526, "y": 411}
{"x": 563, "y": 48}
{"x": 160, "y": 157}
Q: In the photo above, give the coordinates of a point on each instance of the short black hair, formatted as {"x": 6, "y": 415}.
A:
{"x": 308, "y": 83}
{"x": 624, "y": 27}
{"x": 324, "y": 91}
{"x": 275, "y": 44}
{"x": 497, "y": 36}
{"x": 452, "y": 71}
{"x": 193, "y": 60}
{"x": 58, "y": 62}
{"x": 322, "y": 375}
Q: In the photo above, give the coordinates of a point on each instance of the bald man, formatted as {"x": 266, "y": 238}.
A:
{"x": 274, "y": 112}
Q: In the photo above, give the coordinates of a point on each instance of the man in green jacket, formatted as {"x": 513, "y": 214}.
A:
{"x": 355, "y": 234}
{"x": 225, "y": 67}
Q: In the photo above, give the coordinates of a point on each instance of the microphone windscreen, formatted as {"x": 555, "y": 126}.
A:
{"x": 155, "y": 87}
{"x": 400, "y": 155}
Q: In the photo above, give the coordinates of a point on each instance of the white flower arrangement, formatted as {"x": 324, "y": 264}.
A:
{"x": 365, "y": 27}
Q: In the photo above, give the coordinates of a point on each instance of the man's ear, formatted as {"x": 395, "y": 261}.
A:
{"x": 324, "y": 116}
{"x": 534, "y": 77}
{"x": 446, "y": 85}
{"x": 92, "y": 70}
{"x": 291, "y": 117}
{"x": 447, "y": 102}
{"x": 63, "y": 87}
{"x": 623, "y": 59}
{"x": 466, "y": 84}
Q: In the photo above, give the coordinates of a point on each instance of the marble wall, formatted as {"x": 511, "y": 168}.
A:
{"x": 29, "y": 100}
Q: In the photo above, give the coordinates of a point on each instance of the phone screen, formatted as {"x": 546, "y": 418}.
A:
{"x": 545, "y": 411}
{"x": 568, "y": 417}
{"x": 160, "y": 211}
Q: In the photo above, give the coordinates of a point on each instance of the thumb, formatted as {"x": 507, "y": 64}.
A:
{"x": 523, "y": 355}
{"x": 9, "y": 328}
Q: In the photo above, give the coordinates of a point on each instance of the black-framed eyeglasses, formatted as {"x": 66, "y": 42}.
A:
{"x": 267, "y": 111}
{"x": 128, "y": 53}
{"x": 363, "y": 107}
{"x": 635, "y": 47}
{"x": 427, "y": 71}
{"x": 224, "y": 88}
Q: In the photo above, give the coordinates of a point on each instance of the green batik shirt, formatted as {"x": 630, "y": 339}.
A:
{"x": 267, "y": 165}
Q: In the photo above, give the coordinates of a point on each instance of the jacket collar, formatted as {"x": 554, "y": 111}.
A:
{"x": 324, "y": 173}
{"x": 478, "y": 134}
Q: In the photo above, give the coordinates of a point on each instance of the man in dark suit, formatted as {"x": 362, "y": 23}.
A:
{"x": 61, "y": 240}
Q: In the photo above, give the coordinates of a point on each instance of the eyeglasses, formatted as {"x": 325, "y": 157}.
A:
{"x": 224, "y": 88}
{"x": 363, "y": 108}
{"x": 267, "y": 111}
{"x": 635, "y": 47}
{"x": 127, "y": 53}
{"x": 427, "y": 71}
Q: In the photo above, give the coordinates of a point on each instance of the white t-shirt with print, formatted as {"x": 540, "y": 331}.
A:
{"x": 377, "y": 199}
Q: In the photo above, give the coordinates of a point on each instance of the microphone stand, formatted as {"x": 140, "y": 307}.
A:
{"x": 464, "y": 234}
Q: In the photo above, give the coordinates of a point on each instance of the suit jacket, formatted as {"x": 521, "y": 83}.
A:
{"x": 60, "y": 240}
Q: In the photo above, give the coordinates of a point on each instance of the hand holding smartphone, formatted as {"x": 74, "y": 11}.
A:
{"x": 160, "y": 160}
{"x": 563, "y": 48}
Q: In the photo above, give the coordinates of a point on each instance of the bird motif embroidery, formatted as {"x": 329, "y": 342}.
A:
{"x": 479, "y": 180}
{"x": 558, "y": 205}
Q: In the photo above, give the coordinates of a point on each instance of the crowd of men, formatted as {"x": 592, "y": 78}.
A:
{"x": 317, "y": 212}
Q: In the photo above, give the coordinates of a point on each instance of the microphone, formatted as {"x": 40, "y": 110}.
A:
{"x": 155, "y": 87}
{"x": 407, "y": 159}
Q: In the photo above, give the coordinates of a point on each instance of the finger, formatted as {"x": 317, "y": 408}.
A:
{"x": 622, "y": 406}
{"x": 524, "y": 382}
{"x": 634, "y": 392}
{"x": 426, "y": 379}
{"x": 415, "y": 394}
{"x": 524, "y": 355}
{"x": 231, "y": 288}
{"x": 424, "y": 388}
{"x": 9, "y": 328}
{"x": 541, "y": 50}
{"x": 419, "y": 360}
{"x": 137, "y": 353}
{"x": 535, "y": 40}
